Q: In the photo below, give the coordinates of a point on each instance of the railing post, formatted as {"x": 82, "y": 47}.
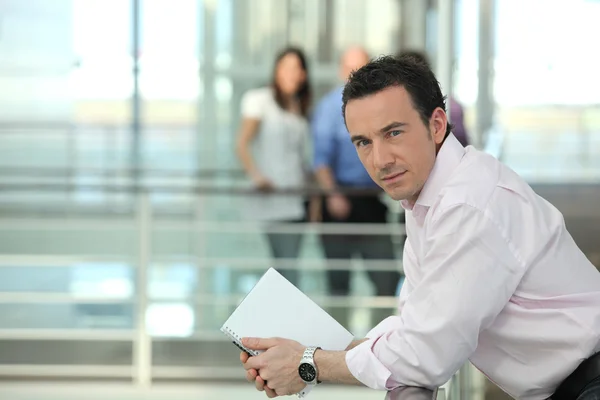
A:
{"x": 464, "y": 379}
{"x": 142, "y": 349}
{"x": 198, "y": 237}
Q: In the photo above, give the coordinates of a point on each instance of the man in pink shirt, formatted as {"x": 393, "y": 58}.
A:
{"x": 492, "y": 275}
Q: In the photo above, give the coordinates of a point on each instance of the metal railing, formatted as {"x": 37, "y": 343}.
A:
{"x": 142, "y": 223}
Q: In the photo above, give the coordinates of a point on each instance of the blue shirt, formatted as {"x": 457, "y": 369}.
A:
{"x": 332, "y": 145}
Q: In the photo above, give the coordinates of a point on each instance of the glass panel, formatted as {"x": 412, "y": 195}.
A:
{"x": 102, "y": 82}
{"x": 466, "y": 52}
{"x": 56, "y": 352}
{"x": 67, "y": 316}
{"x": 36, "y": 58}
{"x": 111, "y": 283}
{"x": 220, "y": 353}
{"x": 546, "y": 106}
{"x": 170, "y": 85}
{"x": 111, "y": 243}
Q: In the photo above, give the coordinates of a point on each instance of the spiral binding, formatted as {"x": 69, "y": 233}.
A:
{"x": 238, "y": 342}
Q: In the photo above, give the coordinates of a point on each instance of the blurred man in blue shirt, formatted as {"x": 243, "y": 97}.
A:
{"x": 337, "y": 167}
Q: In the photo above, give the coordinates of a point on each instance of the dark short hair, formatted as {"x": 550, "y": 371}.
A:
{"x": 406, "y": 71}
{"x": 304, "y": 91}
{"x": 417, "y": 55}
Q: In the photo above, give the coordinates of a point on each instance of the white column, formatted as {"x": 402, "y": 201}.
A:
{"x": 445, "y": 46}
{"x": 413, "y": 24}
{"x": 142, "y": 349}
{"x": 485, "y": 95}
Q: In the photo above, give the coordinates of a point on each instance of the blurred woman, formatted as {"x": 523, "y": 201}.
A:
{"x": 271, "y": 147}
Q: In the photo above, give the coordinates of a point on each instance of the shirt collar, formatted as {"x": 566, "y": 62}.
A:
{"x": 446, "y": 161}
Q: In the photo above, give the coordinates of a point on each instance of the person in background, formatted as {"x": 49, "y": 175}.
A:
{"x": 271, "y": 148}
{"x": 338, "y": 167}
{"x": 457, "y": 114}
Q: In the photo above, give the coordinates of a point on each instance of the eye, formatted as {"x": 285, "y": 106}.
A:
{"x": 394, "y": 133}
{"x": 361, "y": 143}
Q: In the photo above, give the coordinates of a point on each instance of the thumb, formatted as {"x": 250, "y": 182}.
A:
{"x": 260, "y": 344}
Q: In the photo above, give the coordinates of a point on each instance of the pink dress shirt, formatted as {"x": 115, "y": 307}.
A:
{"x": 492, "y": 276}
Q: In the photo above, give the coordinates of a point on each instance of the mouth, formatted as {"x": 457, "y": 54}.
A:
{"x": 393, "y": 178}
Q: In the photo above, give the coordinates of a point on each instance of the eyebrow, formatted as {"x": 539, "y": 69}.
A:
{"x": 388, "y": 127}
{"x": 357, "y": 138}
{"x": 391, "y": 126}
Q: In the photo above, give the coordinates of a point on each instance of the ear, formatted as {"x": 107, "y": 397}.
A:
{"x": 438, "y": 124}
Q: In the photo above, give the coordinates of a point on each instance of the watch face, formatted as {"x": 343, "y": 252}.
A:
{"x": 307, "y": 372}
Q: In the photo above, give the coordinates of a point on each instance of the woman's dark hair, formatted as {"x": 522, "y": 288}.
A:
{"x": 408, "y": 71}
{"x": 304, "y": 92}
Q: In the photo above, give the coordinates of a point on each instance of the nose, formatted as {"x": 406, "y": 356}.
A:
{"x": 382, "y": 155}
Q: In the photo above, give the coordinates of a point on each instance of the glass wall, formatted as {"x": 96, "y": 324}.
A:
{"x": 546, "y": 91}
{"x": 102, "y": 95}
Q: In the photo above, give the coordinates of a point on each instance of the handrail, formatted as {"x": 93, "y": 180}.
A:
{"x": 412, "y": 393}
{"x": 138, "y": 173}
{"x": 209, "y": 299}
{"x": 241, "y": 264}
{"x": 196, "y": 189}
{"x": 93, "y": 126}
{"x": 205, "y": 226}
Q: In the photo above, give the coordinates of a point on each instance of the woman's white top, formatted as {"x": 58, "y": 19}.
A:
{"x": 279, "y": 154}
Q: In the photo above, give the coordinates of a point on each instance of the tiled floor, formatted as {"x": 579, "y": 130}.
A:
{"x": 222, "y": 391}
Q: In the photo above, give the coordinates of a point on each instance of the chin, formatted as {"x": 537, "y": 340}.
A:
{"x": 397, "y": 193}
{"x": 397, "y": 197}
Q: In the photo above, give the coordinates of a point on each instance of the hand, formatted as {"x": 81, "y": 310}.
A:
{"x": 252, "y": 376}
{"x": 315, "y": 214}
{"x": 277, "y": 365}
{"x": 338, "y": 206}
{"x": 263, "y": 184}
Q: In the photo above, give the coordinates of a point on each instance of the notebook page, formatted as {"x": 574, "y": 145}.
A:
{"x": 276, "y": 308}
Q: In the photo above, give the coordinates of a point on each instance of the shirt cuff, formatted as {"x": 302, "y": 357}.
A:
{"x": 366, "y": 368}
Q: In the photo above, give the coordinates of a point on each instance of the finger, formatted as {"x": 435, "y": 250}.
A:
{"x": 251, "y": 375}
{"x": 270, "y": 393}
{"x": 259, "y": 383}
{"x": 256, "y": 362}
{"x": 244, "y": 356}
{"x": 260, "y": 344}
{"x": 265, "y": 375}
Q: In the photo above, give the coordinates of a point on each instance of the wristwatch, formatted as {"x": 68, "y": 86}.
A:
{"x": 308, "y": 369}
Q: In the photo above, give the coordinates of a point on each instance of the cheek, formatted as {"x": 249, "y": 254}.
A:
{"x": 367, "y": 162}
{"x": 290, "y": 81}
{"x": 423, "y": 163}
{"x": 297, "y": 79}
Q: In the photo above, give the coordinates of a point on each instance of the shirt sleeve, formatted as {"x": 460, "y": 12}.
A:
{"x": 389, "y": 323}
{"x": 470, "y": 271}
{"x": 253, "y": 104}
{"x": 323, "y": 132}
{"x": 409, "y": 263}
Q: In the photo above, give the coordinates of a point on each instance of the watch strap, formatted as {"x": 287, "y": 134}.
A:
{"x": 309, "y": 357}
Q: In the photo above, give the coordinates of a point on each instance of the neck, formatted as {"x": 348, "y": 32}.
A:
{"x": 292, "y": 103}
{"x": 413, "y": 200}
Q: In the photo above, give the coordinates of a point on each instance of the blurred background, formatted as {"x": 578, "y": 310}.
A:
{"x": 124, "y": 244}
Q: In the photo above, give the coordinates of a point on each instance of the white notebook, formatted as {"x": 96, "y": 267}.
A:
{"x": 276, "y": 308}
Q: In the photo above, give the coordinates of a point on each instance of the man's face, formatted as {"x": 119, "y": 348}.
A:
{"x": 395, "y": 146}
